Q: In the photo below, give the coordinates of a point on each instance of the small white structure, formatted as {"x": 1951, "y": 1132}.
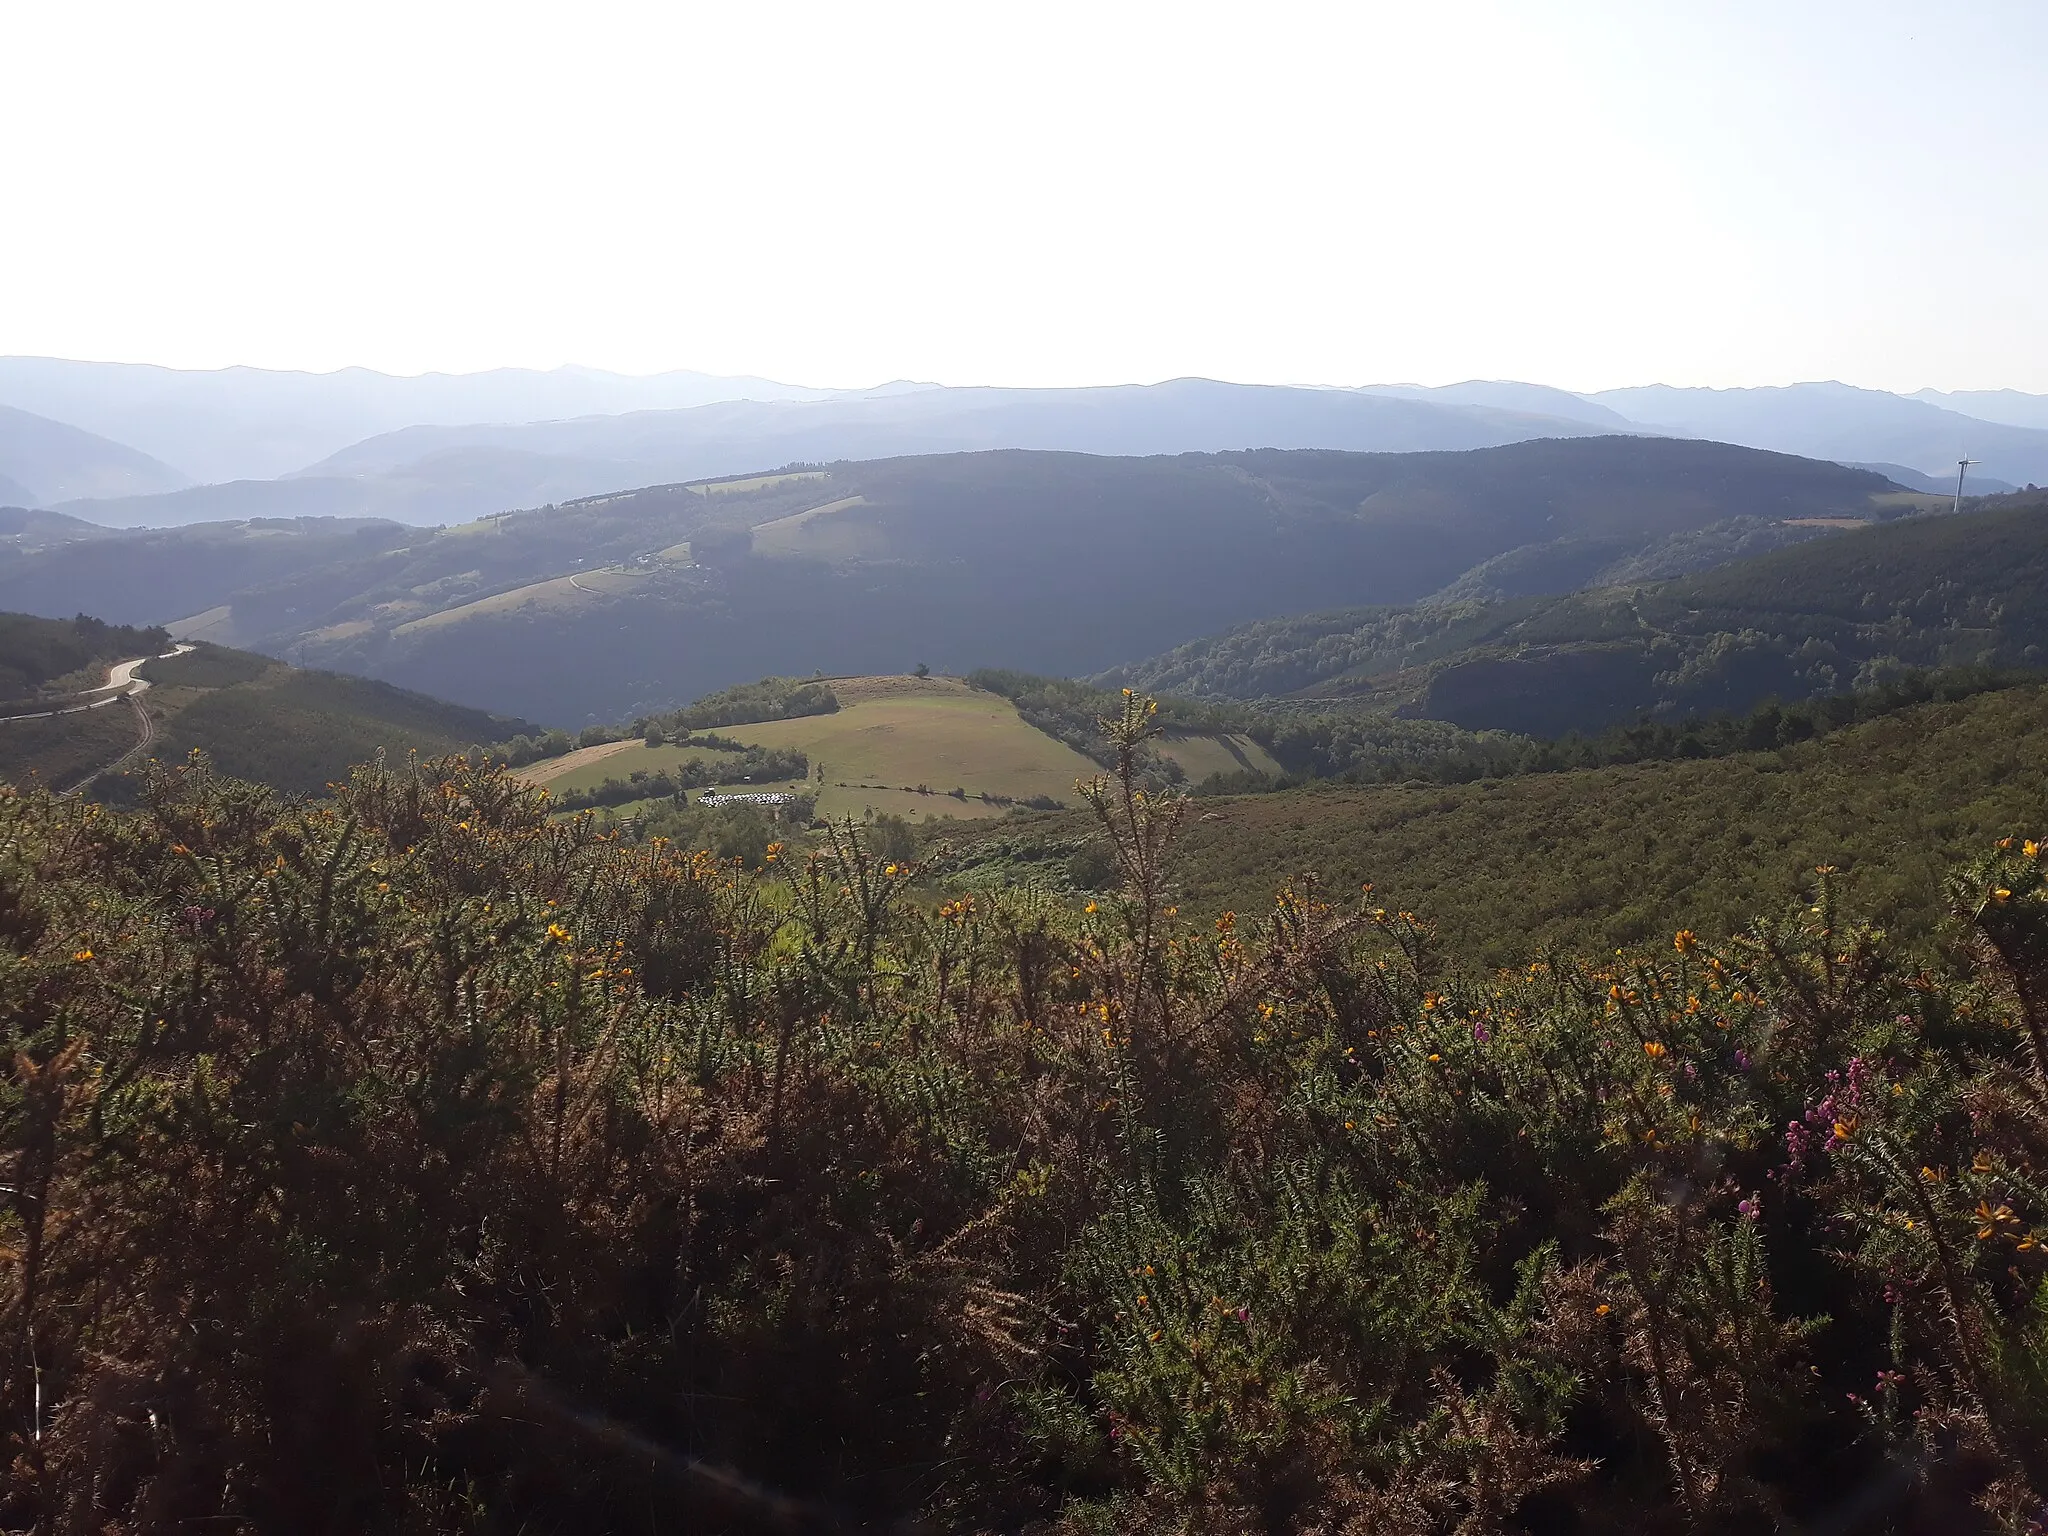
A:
{"x": 771, "y": 797}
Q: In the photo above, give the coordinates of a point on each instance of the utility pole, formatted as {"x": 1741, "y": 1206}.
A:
{"x": 1962, "y": 468}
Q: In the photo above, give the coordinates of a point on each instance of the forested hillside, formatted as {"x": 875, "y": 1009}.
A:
{"x": 255, "y": 718}
{"x": 64, "y": 656}
{"x": 1591, "y": 857}
{"x": 630, "y": 603}
{"x": 1819, "y": 618}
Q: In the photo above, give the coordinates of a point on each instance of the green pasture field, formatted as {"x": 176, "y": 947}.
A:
{"x": 820, "y": 533}
{"x": 755, "y": 483}
{"x": 593, "y": 765}
{"x": 836, "y": 803}
{"x": 931, "y": 731}
{"x": 890, "y": 736}
{"x": 553, "y": 595}
{"x": 1200, "y": 756}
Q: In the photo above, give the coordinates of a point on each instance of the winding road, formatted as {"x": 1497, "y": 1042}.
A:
{"x": 121, "y": 683}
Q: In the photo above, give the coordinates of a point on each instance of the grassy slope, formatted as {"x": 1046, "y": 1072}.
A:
{"x": 890, "y": 734}
{"x": 62, "y": 751}
{"x": 1201, "y": 756}
{"x": 256, "y": 718}
{"x": 1618, "y": 855}
{"x": 301, "y": 730}
{"x": 934, "y": 731}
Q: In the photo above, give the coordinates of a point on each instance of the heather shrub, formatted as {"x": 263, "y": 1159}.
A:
{"x": 414, "y": 1160}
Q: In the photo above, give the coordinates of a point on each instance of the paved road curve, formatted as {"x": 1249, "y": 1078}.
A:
{"x": 121, "y": 683}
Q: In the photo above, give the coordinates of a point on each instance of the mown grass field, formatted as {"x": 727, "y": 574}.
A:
{"x": 1200, "y": 756}
{"x": 938, "y": 732}
{"x": 558, "y": 594}
{"x": 890, "y": 736}
{"x": 820, "y": 533}
{"x": 1622, "y": 855}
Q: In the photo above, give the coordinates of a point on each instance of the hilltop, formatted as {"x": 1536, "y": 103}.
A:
{"x": 1056, "y": 563}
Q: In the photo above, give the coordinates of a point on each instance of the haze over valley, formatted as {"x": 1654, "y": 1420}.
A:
{"x": 182, "y": 447}
{"x": 799, "y": 769}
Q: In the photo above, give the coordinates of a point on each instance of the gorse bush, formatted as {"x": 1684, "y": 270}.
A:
{"x": 411, "y": 1161}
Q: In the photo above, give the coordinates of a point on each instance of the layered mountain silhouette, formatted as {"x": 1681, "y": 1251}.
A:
{"x": 44, "y": 462}
{"x": 174, "y": 447}
{"x": 602, "y": 608}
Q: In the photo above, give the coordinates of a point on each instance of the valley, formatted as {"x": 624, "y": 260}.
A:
{"x": 824, "y": 770}
{"x": 1057, "y": 563}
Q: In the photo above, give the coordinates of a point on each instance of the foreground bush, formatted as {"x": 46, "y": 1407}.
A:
{"x": 414, "y": 1162}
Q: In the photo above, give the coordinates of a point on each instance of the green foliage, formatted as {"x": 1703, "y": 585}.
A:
{"x": 743, "y": 765}
{"x": 1012, "y": 556}
{"x": 1362, "y": 748}
{"x": 421, "y": 1161}
{"x": 302, "y": 730}
{"x": 772, "y": 698}
{"x": 1595, "y": 858}
{"x": 1831, "y": 616}
{"x": 1072, "y": 712}
{"x": 35, "y": 652}
{"x": 207, "y": 666}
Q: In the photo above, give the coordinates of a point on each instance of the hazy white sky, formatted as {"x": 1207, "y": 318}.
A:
{"x": 1572, "y": 191}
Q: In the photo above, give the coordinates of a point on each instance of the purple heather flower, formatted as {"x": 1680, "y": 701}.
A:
{"x": 1481, "y": 1033}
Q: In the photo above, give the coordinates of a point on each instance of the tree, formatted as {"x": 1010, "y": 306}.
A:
{"x": 921, "y": 670}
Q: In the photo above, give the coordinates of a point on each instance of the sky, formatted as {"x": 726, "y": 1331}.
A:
{"x": 1576, "y": 192}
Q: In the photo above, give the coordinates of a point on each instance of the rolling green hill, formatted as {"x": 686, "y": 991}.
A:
{"x": 1057, "y": 562}
{"x": 897, "y": 745}
{"x": 1615, "y": 855}
{"x": 1818, "y": 618}
{"x": 41, "y": 657}
{"x": 257, "y": 719}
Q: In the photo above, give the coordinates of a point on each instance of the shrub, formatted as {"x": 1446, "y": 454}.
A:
{"x": 417, "y": 1161}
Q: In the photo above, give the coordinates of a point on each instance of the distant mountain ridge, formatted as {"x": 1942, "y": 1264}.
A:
{"x": 439, "y": 449}
{"x": 256, "y": 423}
{"x": 437, "y": 473}
{"x": 49, "y": 461}
{"x": 603, "y": 608}
{"x": 1840, "y": 422}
